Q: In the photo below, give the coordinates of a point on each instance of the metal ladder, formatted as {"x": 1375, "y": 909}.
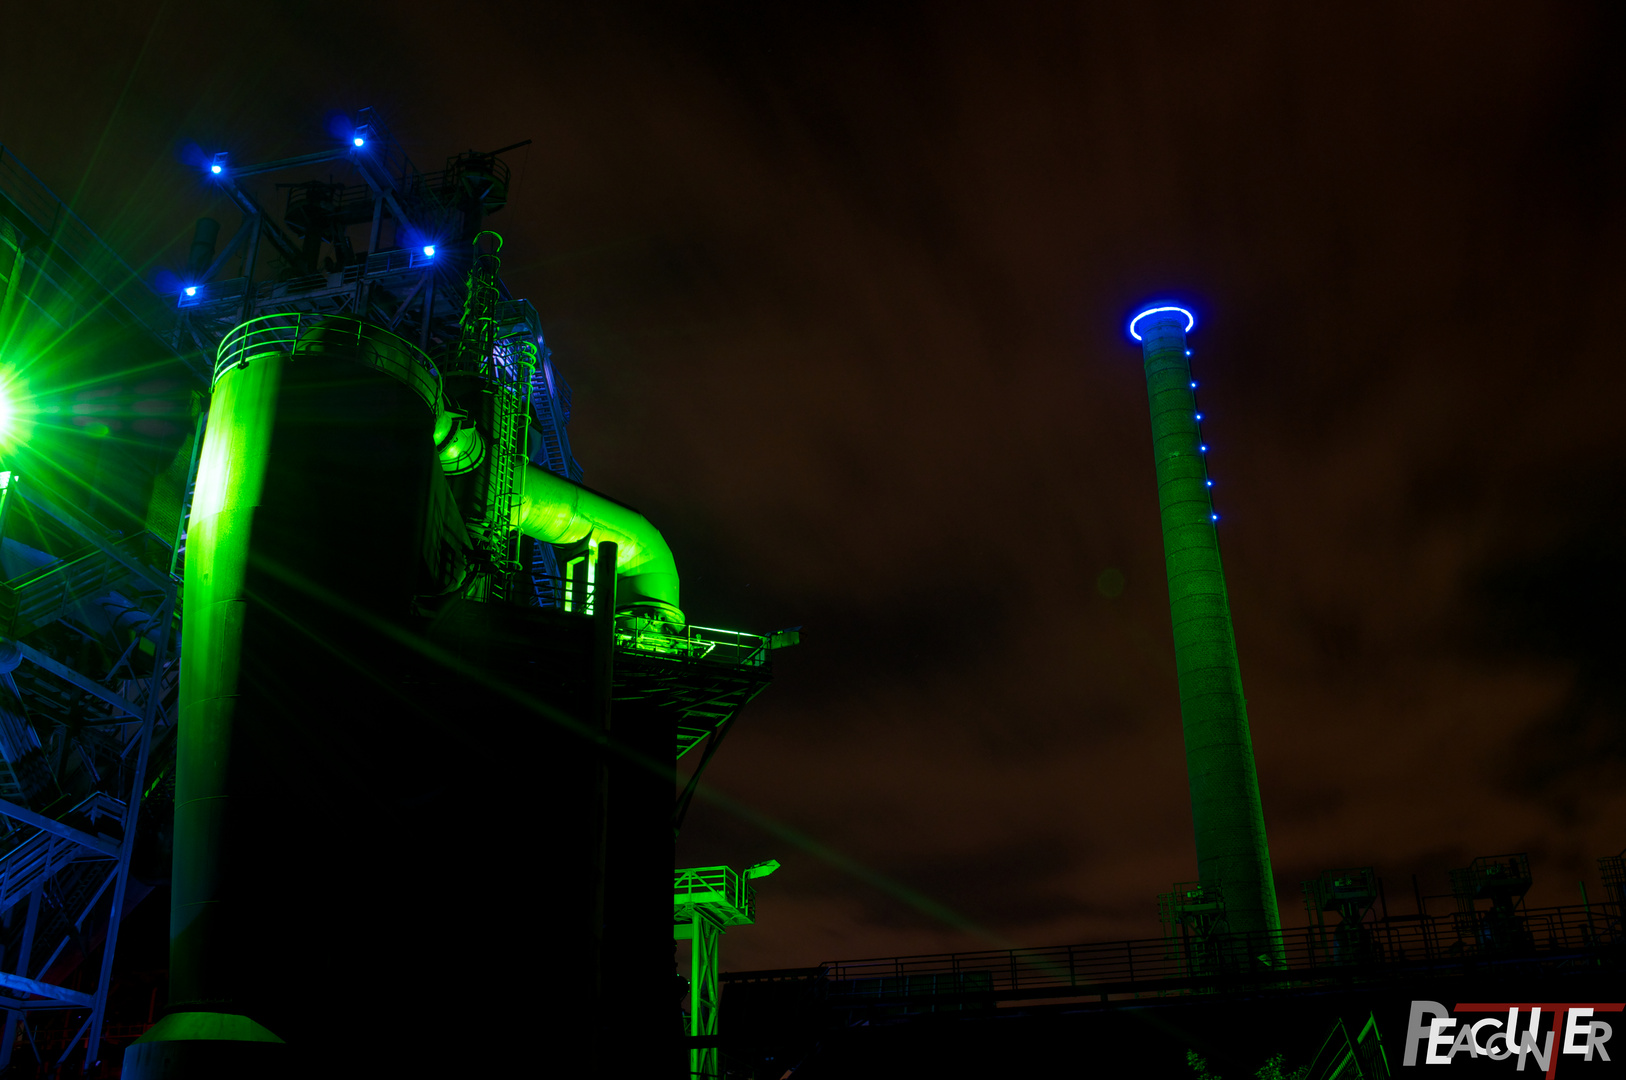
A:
{"x": 177, "y": 547}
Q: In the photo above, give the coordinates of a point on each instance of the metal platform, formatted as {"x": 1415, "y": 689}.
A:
{"x": 704, "y": 676}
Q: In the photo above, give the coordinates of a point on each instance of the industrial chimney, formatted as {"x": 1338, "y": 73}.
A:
{"x": 1232, "y": 854}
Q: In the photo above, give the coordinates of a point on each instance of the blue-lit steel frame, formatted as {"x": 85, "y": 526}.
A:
{"x": 62, "y": 840}
{"x": 191, "y": 326}
{"x": 76, "y": 271}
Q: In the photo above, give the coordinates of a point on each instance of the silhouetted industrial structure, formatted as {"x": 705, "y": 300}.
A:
{"x": 426, "y": 679}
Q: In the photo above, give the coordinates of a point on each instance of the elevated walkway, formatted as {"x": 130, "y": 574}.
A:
{"x": 1149, "y": 969}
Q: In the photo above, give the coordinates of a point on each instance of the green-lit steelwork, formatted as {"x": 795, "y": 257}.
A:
{"x": 1232, "y": 855}
{"x": 550, "y": 508}
{"x": 557, "y": 511}
{"x": 705, "y": 901}
{"x": 234, "y": 469}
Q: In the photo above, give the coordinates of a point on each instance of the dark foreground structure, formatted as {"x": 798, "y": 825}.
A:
{"x": 1339, "y": 1004}
{"x": 402, "y": 696}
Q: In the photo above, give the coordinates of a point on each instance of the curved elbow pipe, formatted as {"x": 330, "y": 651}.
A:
{"x": 557, "y": 511}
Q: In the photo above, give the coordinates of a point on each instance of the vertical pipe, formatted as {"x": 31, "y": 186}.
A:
{"x": 253, "y": 253}
{"x": 603, "y": 680}
{"x": 1228, "y": 818}
{"x": 202, "y": 252}
{"x": 378, "y": 224}
{"x": 364, "y": 287}
{"x": 428, "y": 308}
{"x": 187, "y": 492}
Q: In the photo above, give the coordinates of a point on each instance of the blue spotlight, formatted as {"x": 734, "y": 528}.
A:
{"x": 358, "y": 141}
{"x": 1191, "y": 320}
{"x": 429, "y": 251}
{"x": 217, "y": 164}
{"x": 191, "y": 290}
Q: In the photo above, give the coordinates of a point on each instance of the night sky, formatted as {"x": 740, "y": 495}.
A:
{"x": 841, "y": 289}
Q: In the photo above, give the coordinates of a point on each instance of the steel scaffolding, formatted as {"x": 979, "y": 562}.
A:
{"x": 706, "y": 900}
{"x": 88, "y": 614}
{"x": 78, "y": 746}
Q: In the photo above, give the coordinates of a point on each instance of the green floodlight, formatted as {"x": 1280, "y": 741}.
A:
{"x": 761, "y": 869}
{"x": 18, "y": 410}
{"x": 8, "y": 408}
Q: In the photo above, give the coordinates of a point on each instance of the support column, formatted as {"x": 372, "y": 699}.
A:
{"x": 603, "y": 689}
{"x": 703, "y": 936}
{"x": 1229, "y": 822}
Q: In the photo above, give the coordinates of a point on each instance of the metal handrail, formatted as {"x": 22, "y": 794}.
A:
{"x": 282, "y": 333}
{"x": 1143, "y": 965}
{"x": 717, "y": 888}
{"x": 653, "y": 636}
{"x": 734, "y": 647}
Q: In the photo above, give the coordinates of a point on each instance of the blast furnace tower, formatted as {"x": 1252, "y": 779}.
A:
{"x": 432, "y": 688}
{"x": 1232, "y": 855}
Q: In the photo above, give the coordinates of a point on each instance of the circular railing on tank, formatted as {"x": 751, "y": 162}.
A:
{"x": 295, "y": 333}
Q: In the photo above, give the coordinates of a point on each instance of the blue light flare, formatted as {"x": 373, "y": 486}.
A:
{"x": 358, "y": 141}
{"x": 191, "y": 290}
{"x": 1191, "y": 320}
{"x": 429, "y": 251}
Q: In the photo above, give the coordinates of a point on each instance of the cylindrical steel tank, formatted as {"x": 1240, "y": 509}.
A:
{"x": 308, "y": 533}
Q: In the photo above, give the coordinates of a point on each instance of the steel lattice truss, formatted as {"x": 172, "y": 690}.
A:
{"x": 704, "y": 694}
{"x": 89, "y": 688}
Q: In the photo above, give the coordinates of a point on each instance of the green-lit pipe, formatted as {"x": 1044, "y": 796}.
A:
{"x": 557, "y": 511}
{"x": 222, "y": 793}
{"x": 1229, "y": 820}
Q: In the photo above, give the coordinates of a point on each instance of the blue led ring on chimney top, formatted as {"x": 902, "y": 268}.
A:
{"x": 1191, "y": 320}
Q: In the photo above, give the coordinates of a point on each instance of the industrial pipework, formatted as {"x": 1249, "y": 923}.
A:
{"x": 290, "y": 399}
{"x": 1232, "y": 854}
{"x": 559, "y": 511}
